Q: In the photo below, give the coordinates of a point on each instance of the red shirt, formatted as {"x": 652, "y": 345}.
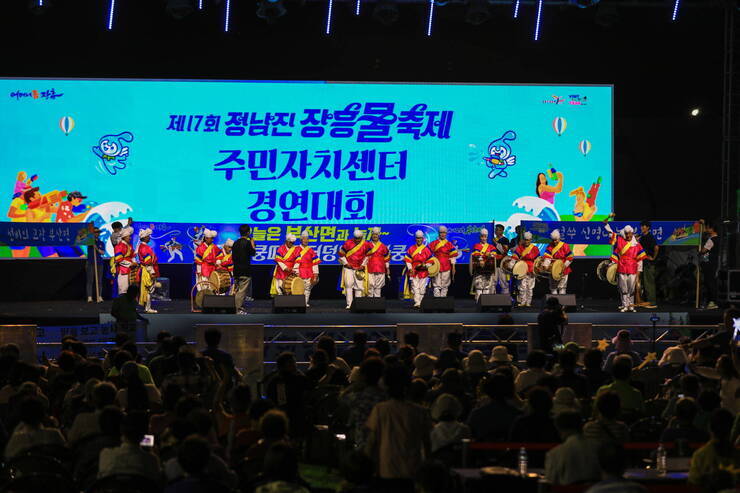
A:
{"x": 354, "y": 252}
{"x": 206, "y": 256}
{"x": 561, "y": 251}
{"x": 444, "y": 251}
{"x": 626, "y": 255}
{"x": 148, "y": 257}
{"x": 123, "y": 253}
{"x": 418, "y": 255}
{"x": 227, "y": 263}
{"x": 528, "y": 254}
{"x": 307, "y": 258}
{"x": 481, "y": 249}
{"x": 287, "y": 256}
{"x": 378, "y": 255}
{"x": 64, "y": 212}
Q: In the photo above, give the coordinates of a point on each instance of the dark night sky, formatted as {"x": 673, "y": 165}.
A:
{"x": 667, "y": 164}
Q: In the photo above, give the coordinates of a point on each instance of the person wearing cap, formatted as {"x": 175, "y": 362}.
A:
{"x": 424, "y": 365}
{"x": 501, "y": 247}
{"x": 307, "y": 265}
{"x": 124, "y": 259}
{"x": 559, "y": 250}
{"x": 417, "y": 259}
{"x": 626, "y": 253}
{"x": 479, "y": 260}
{"x": 527, "y": 252}
{"x": 475, "y": 367}
{"x": 224, "y": 262}
{"x": 446, "y": 254}
{"x": 285, "y": 258}
{"x": 65, "y": 211}
{"x": 622, "y": 345}
{"x": 446, "y": 411}
{"x": 377, "y": 262}
{"x": 205, "y": 257}
{"x": 147, "y": 275}
{"x": 95, "y": 255}
{"x": 352, "y": 257}
{"x": 500, "y": 357}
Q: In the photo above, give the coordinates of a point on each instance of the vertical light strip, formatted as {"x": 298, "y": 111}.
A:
{"x": 41, "y": 3}
{"x": 200, "y": 4}
{"x": 328, "y": 16}
{"x": 431, "y": 18}
{"x": 676, "y": 5}
{"x": 539, "y": 16}
{"x": 357, "y": 7}
{"x": 516, "y": 9}
{"x": 227, "y": 21}
{"x": 111, "y": 13}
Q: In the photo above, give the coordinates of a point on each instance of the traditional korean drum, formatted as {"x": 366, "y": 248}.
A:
{"x": 221, "y": 281}
{"x": 433, "y": 268}
{"x": 293, "y": 284}
{"x": 514, "y": 267}
{"x": 607, "y": 271}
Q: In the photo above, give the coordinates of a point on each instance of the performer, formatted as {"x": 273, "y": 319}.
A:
{"x": 147, "y": 275}
{"x": 480, "y": 265}
{"x": 285, "y": 258}
{"x": 351, "y": 256}
{"x": 500, "y": 251}
{"x": 205, "y": 257}
{"x": 527, "y": 252}
{"x": 447, "y": 254}
{"x": 307, "y": 265}
{"x": 377, "y": 263}
{"x": 559, "y": 250}
{"x": 626, "y": 253}
{"x": 417, "y": 259}
{"x": 124, "y": 259}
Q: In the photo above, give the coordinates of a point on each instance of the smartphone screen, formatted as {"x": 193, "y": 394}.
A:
{"x": 736, "y": 333}
{"x": 148, "y": 441}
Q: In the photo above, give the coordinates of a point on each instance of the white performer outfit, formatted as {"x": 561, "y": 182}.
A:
{"x": 351, "y": 256}
{"x": 559, "y": 251}
{"x": 526, "y": 253}
{"x": 480, "y": 266}
{"x": 307, "y": 266}
{"x": 500, "y": 279}
{"x": 627, "y": 254}
{"x": 377, "y": 264}
{"x": 446, "y": 254}
{"x": 417, "y": 259}
{"x": 124, "y": 259}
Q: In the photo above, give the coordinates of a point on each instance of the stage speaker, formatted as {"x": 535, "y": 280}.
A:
{"x": 218, "y": 304}
{"x": 430, "y": 304}
{"x": 290, "y": 303}
{"x": 366, "y": 304}
{"x": 494, "y": 303}
{"x": 567, "y": 300}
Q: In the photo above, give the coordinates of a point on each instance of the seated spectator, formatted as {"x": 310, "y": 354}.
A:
{"x": 596, "y": 377}
{"x": 424, "y": 365}
{"x": 320, "y": 372}
{"x": 87, "y": 452}
{"x": 536, "y": 362}
{"x": 718, "y": 453}
{"x": 383, "y": 346}
{"x": 605, "y": 427}
{"x": 568, "y": 377}
{"x": 500, "y": 358}
{"x": 454, "y": 342}
{"x": 223, "y": 361}
{"x": 127, "y": 353}
{"x": 230, "y": 423}
{"x": 327, "y": 344}
{"x": 31, "y": 432}
{"x": 189, "y": 376}
{"x": 575, "y": 460}
{"x": 358, "y": 473}
{"x": 708, "y": 401}
{"x": 412, "y": 339}
{"x": 630, "y": 398}
{"x": 537, "y": 425}
{"x": 406, "y": 355}
{"x": 166, "y": 363}
{"x": 674, "y": 355}
{"x": 682, "y": 427}
{"x": 280, "y": 471}
{"x": 565, "y": 401}
{"x": 361, "y": 403}
{"x": 452, "y": 382}
{"x": 448, "y": 358}
{"x": 729, "y": 382}
{"x": 159, "y": 422}
{"x": 273, "y": 428}
{"x": 493, "y": 420}
{"x": 355, "y": 354}
{"x": 130, "y": 457}
{"x": 195, "y": 457}
{"x": 623, "y": 347}
{"x": 418, "y": 391}
{"x": 612, "y": 461}
{"x": 446, "y": 411}
{"x": 247, "y": 437}
{"x": 287, "y": 389}
{"x": 87, "y": 424}
{"x": 162, "y": 335}
{"x": 135, "y": 394}
{"x": 475, "y": 368}
{"x": 688, "y": 386}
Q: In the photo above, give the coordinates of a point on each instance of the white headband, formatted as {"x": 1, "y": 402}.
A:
{"x": 484, "y": 232}
{"x": 527, "y": 235}
{"x": 145, "y": 233}
{"x": 127, "y": 231}
{"x": 443, "y": 229}
{"x": 555, "y": 235}
{"x": 628, "y": 229}
{"x": 229, "y": 243}
{"x": 209, "y": 233}
{"x": 376, "y": 230}
{"x": 304, "y": 233}
{"x": 358, "y": 233}
{"x": 419, "y": 234}
{"x": 290, "y": 237}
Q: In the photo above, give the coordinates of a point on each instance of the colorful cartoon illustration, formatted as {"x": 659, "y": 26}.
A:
{"x": 500, "y": 155}
{"x": 546, "y": 191}
{"x": 585, "y": 147}
{"x": 23, "y": 183}
{"x": 559, "y": 124}
{"x": 173, "y": 247}
{"x": 113, "y": 151}
{"x": 66, "y": 124}
{"x": 72, "y": 209}
{"x": 585, "y": 206}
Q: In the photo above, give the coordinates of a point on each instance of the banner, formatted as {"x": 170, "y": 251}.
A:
{"x": 45, "y": 234}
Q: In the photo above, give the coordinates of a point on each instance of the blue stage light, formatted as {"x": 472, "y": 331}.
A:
{"x": 516, "y": 9}
{"x": 431, "y": 18}
{"x": 357, "y": 7}
{"x": 676, "y": 6}
{"x": 539, "y": 17}
{"x": 584, "y": 4}
{"x": 111, "y": 13}
{"x": 227, "y": 20}
{"x": 328, "y": 17}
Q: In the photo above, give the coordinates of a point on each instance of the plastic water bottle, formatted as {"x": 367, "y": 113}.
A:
{"x": 522, "y": 461}
{"x": 660, "y": 460}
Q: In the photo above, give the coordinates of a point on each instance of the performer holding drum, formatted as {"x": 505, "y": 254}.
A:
{"x": 377, "y": 263}
{"x": 526, "y": 252}
{"x": 205, "y": 259}
{"x": 482, "y": 265}
{"x": 124, "y": 259}
{"x": 556, "y": 261}
{"x": 352, "y": 257}
{"x": 417, "y": 259}
{"x": 446, "y": 253}
{"x": 149, "y": 272}
{"x": 283, "y": 275}
{"x": 626, "y": 254}
{"x": 501, "y": 250}
{"x": 307, "y": 266}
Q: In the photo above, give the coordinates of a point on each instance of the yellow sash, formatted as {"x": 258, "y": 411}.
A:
{"x": 147, "y": 281}
{"x": 303, "y": 252}
{"x": 375, "y": 247}
{"x": 207, "y": 251}
{"x": 355, "y": 248}
{"x": 440, "y": 244}
{"x": 625, "y": 248}
{"x": 287, "y": 254}
{"x": 557, "y": 248}
{"x": 526, "y": 251}
{"x": 419, "y": 249}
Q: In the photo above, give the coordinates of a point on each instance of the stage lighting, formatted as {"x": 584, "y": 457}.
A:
{"x": 477, "y": 13}
{"x": 695, "y": 112}
{"x": 516, "y": 9}
{"x": 539, "y": 19}
{"x": 676, "y": 6}
{"x": 271, "y": 11}
{"x": 386, "y": 12}
{"x": 179, "y": 9}
{"x": 39, "y": 7}
{"x": 430, "y": 18}
{"x": 328, "y": 16}
{"x": 583, "y": 4}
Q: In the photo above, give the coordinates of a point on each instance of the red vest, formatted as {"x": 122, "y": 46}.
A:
{"x": 354, "y": 252}
{"x": 286, "y": 255}
{"x": 307, "y": 258}
{"x": 148, "y": 257}
{"x": 123, "y": 252}
{"x": 444, "y": 250}
{"x": 206, "y": 256}
{"x": 562, "y": 253}
{"x": 626, "y": 255}
{"x": 532, "y": 252}
{"x": 417, "y": 255}
{"x": 378, "y": 255}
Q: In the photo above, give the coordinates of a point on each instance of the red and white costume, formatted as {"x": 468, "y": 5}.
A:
{"x": 377, "y": 264}
{"x": 627, "y": 254}
{"x": 482, "y": 278}
{"x": 224, "y": 262}
{"x": 307, "y": 266}
{"x": 352, "y": 257}
{"x": 149, "y": 263}
{"x": 417, "y": 259}
{"x": 446, "y": 254}
{"x": 559, "y": 250}
{"x": 206, "y": 257}
{"x": 124, "y": 259}
{"x": 285, "y": 258}
{"x": 527, "y": 254}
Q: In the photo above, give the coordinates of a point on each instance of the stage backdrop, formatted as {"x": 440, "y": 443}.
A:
{"x": 301, "y": 153}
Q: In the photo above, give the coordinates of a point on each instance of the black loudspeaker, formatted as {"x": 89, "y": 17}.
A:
{"x": 567, "y": 300}
{"x": 494, "y": 303}
{"x": 430, "y": 304}
{"x": 366, "y": 304}
{"x": 289, "y": 303}
{"x": 218, "y": 304}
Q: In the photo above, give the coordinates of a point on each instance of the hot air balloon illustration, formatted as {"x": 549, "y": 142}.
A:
{"x": 559, "y": 124}
{"x": 67, "y": 124}
{"x": 584, "y": 146}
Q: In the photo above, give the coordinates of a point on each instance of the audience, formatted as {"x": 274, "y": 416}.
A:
{"x": 612, "y": 461}
{"x": 718, "y": 453}
{"x": 536, "y": 362}
{"x": 31, "y": 431}
{"x": 630, "y": 398}
{"x": 574, "y": 460}
{"x": 130, "y": 457}
{"x": 623, "y": 347}
{"x": 446, "y": 411}
{"x": 605, "y": 427}
{"x": 493, "y": 420}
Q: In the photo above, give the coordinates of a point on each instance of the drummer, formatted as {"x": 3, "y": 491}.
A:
{"x": 307, "y": 266}
{"x": 501, "y": 249}
{"x": 626, "y": 254}
{"x": 205, "y": 257}
{"x": 285, "y": 258}
{"x": 481, "y": 265}
{"x": 559, "y": 250}
{"x": 526, "y": 252}
{"x": 417, "y": 259}
{"x": 377, "y": 263}
{"x": 124, "y": 259}
{"x": 224, "y": 261}
{"x": 148, "y": 261}
{"x": 352, "y": 257}
{"x": 446, "y": 254}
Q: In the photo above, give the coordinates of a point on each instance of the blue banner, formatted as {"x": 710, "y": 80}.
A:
{"x": 45, "y": 234}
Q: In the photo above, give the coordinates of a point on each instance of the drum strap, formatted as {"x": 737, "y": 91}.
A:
{"x": 526, "y": 251}
{"x": 355, "y": 248}
{"x": 557, "y": 248}
{"x": 418, "y": 250}
{"x": 375, "y": 247}
{"x": 626, "y": 247}
{"x": 440, "y": 244}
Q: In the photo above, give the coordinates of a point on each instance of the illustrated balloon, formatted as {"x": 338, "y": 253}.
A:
{"x": 584, "y": 146}
{"x": 67, "y": 124}
{"x": 559, "y": 124}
